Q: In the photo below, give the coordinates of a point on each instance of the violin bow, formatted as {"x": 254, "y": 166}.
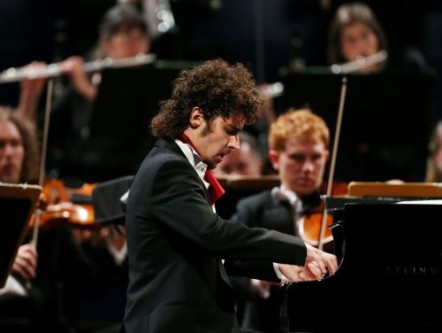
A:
{"x": 44, "y": 145}
{"x": 333, "y": 160}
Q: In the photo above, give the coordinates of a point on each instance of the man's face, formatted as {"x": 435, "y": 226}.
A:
{"x": 11, "y": 153}
{"x": 219, "y": 139}
{"x": 301, "y": 165}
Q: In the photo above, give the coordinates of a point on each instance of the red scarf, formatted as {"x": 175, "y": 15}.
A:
{"x": 215, "y": 189}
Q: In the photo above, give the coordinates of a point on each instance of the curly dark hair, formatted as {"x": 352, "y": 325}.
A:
{"x": 30, "y": 169}
{"x": 218, "y": 88}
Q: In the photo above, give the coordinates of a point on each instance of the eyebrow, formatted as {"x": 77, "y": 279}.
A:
{"x": 234, "y": 128}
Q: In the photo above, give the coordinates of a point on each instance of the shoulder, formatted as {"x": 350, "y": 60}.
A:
{"x": 164, "y": 162}
{"x": 164, "y": 172}
{"x": 163, "y": 154}
{"x": 255, "y": 200}
{"x": 408, "y": 59}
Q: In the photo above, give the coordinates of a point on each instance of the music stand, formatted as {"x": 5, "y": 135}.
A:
{"x": 120, "y": 137}
{"x": 17, "y": 203}
{"x": 127, "y": 99}
{"x": 386, "y": 120}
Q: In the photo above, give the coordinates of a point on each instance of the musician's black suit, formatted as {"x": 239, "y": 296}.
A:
{"x": 175, "y": 243}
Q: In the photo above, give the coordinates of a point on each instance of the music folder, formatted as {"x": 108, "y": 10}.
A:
{"x": 17, "y": 203}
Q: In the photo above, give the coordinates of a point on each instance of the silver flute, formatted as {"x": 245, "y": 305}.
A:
{"x": 52, "y": 70}
{"x": 357, "y": 65}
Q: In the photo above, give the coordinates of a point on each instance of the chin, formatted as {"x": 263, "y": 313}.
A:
{"x": 304, "y": 191}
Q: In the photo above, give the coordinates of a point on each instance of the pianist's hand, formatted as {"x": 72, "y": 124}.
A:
{"x": 320, "y": 263}
{"x": 292, "y": 273}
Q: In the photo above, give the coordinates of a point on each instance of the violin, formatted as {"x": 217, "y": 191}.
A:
{"x": 61, "y": 204}
{"x": 310, "y": 221}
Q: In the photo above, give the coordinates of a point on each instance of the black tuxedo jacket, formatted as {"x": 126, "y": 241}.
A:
{"x": 175, "y": 243}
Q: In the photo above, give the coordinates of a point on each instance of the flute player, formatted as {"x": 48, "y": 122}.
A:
{"x": 123, "y": 34}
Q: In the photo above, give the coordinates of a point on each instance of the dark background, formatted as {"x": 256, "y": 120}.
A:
{"x": 266, "y": 36}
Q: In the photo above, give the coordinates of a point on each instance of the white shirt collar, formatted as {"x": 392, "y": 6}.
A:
{"x": 194, "y": 159}
{"x": 283, "y": 194}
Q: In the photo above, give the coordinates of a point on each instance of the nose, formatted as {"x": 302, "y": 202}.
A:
{"x": 233, "y": 142}
{"x": 308, "y": 165}
{"x": 8, "y": 149}
{"x": 362, "y": 47}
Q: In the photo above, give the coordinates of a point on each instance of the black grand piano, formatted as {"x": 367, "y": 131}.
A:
{"x": 390, "y": 276}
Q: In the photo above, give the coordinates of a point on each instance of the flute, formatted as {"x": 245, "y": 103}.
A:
{"x": 53, "y": 70}
{"x": 357, "y": 65}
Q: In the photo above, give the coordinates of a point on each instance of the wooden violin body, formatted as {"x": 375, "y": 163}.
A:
{"x": 310, "y": 227}
{"x": 309, "y": 223}
{"x": 57, "y": 205}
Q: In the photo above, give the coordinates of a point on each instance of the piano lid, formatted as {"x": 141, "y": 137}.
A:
{"x": 390, "y": 276}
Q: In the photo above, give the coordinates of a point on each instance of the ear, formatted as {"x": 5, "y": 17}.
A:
{"x": 196, "y": 117}
{"x": 273, "y": 157}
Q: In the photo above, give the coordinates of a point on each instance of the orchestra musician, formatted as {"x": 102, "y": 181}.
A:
{"x": 356, "y": 34}
{"x": 19, "y": 164}
{"x": 246, "y": 161}
{"x": 124, "y": 37}
{"x": 123, "y": 34}
{"x": 18, "y": 158}
{"x": 298, "y": 150}
{"x": 38, "y": 291}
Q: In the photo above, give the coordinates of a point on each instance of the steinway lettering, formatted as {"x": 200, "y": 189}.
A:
{"x": 412, "y": 270}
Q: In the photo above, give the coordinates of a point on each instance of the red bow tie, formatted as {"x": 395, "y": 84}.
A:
{"x": 215, "y": 189}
